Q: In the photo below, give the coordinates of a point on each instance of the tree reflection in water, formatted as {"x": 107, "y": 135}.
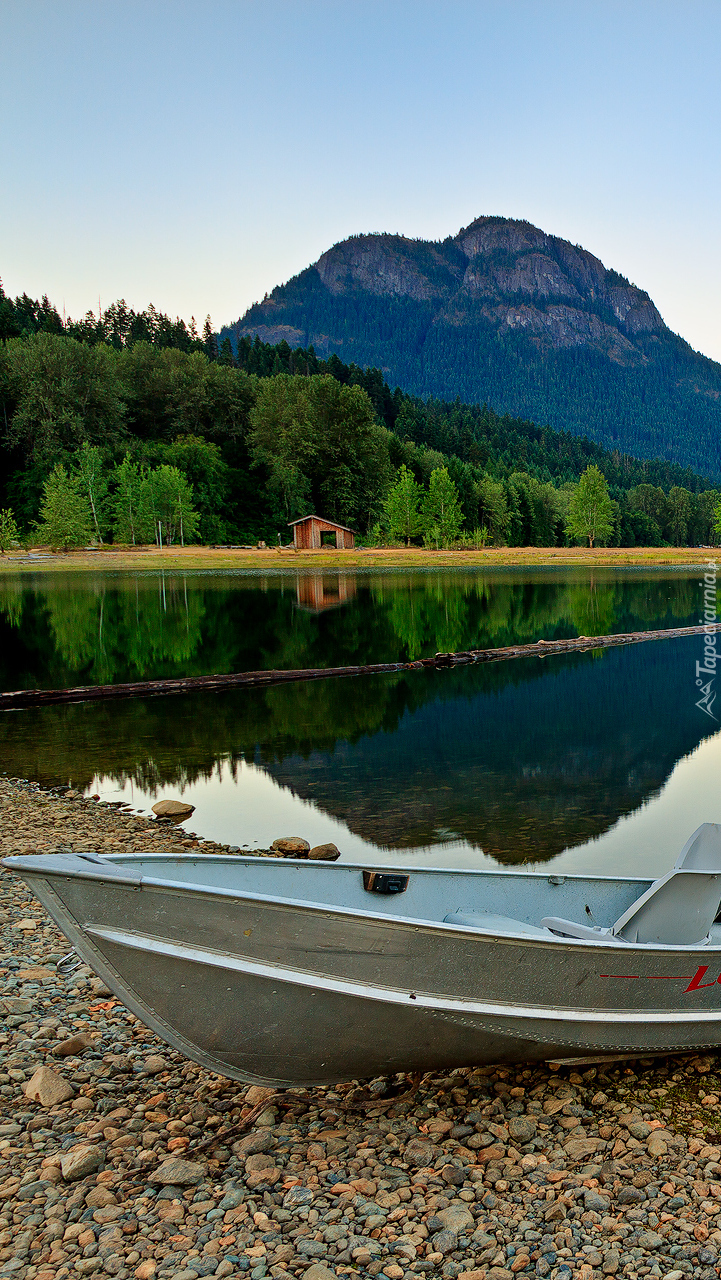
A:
{"x": 521, "y": 760}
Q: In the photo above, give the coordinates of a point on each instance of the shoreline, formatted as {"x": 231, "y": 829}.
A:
{"x": 41, "y": 560}
{"x": 138, "y": 1164}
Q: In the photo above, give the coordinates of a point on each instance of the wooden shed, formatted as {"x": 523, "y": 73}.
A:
{"x": 312, "y": 532}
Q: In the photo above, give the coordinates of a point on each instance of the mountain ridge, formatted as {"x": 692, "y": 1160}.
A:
{"x": 510, "y": 315}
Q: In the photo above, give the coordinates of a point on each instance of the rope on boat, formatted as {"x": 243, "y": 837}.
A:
{"x": 260, "y": 679}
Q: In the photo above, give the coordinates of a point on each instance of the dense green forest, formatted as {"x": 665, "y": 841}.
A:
{"x": 137, "y": 423}
{"x": 667, "y": 406}
{"x": 504, "y": 314}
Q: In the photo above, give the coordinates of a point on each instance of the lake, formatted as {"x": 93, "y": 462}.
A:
{"x": 596, "y": 761}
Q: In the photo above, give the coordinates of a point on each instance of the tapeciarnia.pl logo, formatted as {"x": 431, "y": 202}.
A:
{"x": 706, "y": 672}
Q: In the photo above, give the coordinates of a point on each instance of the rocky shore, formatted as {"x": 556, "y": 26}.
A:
{"x": 119, "y": 1157}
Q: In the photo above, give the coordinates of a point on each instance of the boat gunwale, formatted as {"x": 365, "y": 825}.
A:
{"x": 93, "y": 871}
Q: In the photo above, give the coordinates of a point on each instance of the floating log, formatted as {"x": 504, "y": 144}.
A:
{"x": 259, "y": 679}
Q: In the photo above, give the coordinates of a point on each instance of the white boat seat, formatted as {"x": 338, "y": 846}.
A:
{"x": 702, "y": 850}
{"x": 486, "y": 920}
{"x": 678, "y": 910}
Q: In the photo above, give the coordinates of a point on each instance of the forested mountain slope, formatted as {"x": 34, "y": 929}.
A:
{"x": 506, "y": 315}
{"x": 136, "y": 402}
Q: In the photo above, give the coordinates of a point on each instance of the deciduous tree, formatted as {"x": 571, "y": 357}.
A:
{"x": 8, "y": 529}
{"x": 94, "y": 481}
{"x": 590, "y": 510}
{"x": 131, "y": 506}
{"x": 175, "y": 519}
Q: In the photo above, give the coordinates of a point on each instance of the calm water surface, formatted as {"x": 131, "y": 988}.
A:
{"x": 597, "y": 761}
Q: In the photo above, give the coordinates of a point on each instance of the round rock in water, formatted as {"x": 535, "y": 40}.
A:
{"x": 325, "y": 853}
{"x": 291, "y": 847}
{"x": 173, "y": 809}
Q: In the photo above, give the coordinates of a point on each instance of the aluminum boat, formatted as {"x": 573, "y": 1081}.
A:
{"x": 292, "y": 972}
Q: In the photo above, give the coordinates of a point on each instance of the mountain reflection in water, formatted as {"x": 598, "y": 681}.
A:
{"x": 520, "y": 760}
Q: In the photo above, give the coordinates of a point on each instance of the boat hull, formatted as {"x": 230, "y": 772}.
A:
{"x": 288, "y": 993}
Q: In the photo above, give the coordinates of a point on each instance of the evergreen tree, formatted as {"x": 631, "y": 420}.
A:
{"x": 679, "y": 514}
{"x": 402, "y": 505}
{"x": 590, "y": 511}
{"x": 210, "y": 342}
{"x": 65, "y": 517}
{"x": 442, "y": 515}
{"x": 492, "y": 508}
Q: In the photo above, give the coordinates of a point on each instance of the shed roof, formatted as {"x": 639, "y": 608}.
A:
{"x": 334, "y": 523}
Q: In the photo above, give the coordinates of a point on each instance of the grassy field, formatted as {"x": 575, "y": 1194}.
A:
{"x": 180, "y": 558}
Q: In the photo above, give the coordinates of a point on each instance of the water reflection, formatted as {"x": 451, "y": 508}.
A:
{"x": 104, "y": 628}
{"x": 517, "y": 762}
{"x": 318, "y": 592}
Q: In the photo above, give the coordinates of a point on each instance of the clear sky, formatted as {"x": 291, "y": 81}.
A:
{"x": 197, "y": 154}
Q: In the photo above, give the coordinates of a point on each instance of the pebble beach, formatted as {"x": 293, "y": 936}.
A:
{"x": 120, "y": 1157}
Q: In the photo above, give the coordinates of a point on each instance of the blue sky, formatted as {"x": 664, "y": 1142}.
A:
{"x": 197, "y": 154}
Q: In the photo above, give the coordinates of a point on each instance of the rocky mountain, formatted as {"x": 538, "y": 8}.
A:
{"x": 506, "y": 314}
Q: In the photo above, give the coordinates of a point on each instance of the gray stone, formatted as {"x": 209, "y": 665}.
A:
{"x": 522, "y": 1128}
{"x": 482, "y": 1240}
{"x": 445, "y": 1241}
{"x": 577, "y": 1148}
{"x": 650, "y": 1240}
{"x": 181, "y": 1173}
{"x": 261, "y": 1160}
{"x": 232, "y": 1198}
{"x": 364, "y": 1242}
{"x": 318, "y": 1272}
{"x": 630, "y": 1195}
{"x": 419, "y": 1154}
{"x": 312, "y": 1248}
{"x": 252, "y": 1142}
{"x": 657, "y": 1144}
{"x": 596, "y": 1203}
{"x": 206, "y": 1265}
{"x": 267, "y": 1118}
{"x": 32, "y": 1189}
{"x": 79, "y": 1162}
{"x": 154, "y": 1065}
{"x": 640, "y": 1130}
{"x": 298, "y": 1196}
{"x": 457, "y": 1218}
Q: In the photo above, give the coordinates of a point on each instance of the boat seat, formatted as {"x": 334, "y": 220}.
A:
{"x": 702, "y": 850}
{"x": 486, "y": 920}
{"x": 679, "y": 909}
